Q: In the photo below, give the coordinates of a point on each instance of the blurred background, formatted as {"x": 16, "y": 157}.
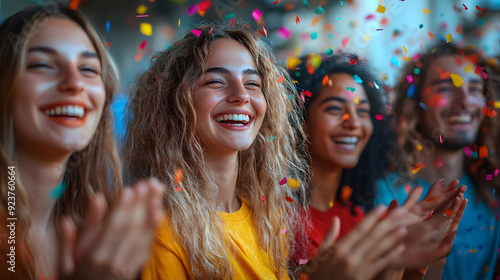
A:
{"x": 386, "y": 32}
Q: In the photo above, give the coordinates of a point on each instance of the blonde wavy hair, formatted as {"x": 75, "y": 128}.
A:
{"x": 95, "y": 169}
{"x": 161, "y": 138}
{"x": 407, "y": 111}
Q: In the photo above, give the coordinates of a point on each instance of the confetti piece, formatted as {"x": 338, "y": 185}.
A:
{"x": 448, "y": 212}
{"x": 418, "y": 167}
{"x": 422, "y": 105}
{"x": 284, "y": 32}
{"x": 467, "y": 68}
{"x": 280, "y": 80}
{"x": 345, "y": 193}
{"x": 108, "y": 25}
{"x": 437, "y": 101}
{"x": 426, "y": 11}
{"x": 438, "y": 163}
{"x": 319, "y": 10}
{"x": 178, "y": 176}
{"x": 314, "y": 35}
{"x": 205, "y": 5}
{"x": 196, "y": 32}
{"x": 419, "y": 147}
{"x": 283, "y": 181}
{"x": 297, "y": 20}
{"x": 357, "y": 79}
{"x": 496, "y": 172}
{"x": 229, "y": 16}
{"x": 325, "y": 80}
{"x": 486, "y": 268}
{"x": 146, "y": 29}
{"x": 407, "y": 188}
{"x": 376, "y": 85}
{"x": 489, "y": 177}
{"x": 329, "y": 51}
{"x": 142, "y": 16}
{"x": 58, "y": 191}
{"x": 256, "y": 14}
{"x": 283, "y": 231}
{"x": 289, "y": 199}
{"x": 192, "y": 10}
{"x": 141, "y": 9}
{"x": 276, "y": 2}
{"x": 472, "y": 250}
{"x": 421, "y": 26}
{"x": 483, "y": 151}
{"x": 409, "y": 78}
{"x": 404, "y": 48}
{"x": 142, "y": 45}
{"x": 262, "y": 197}
{"x": 293, "y": 183}
{"x": 379, "y": 117}
{"x": 394, "y": 61}
{"x": 350, "y": 88}
{"x": 271, "y": 138}
{"x": 465, "y": 7}
{"x": 316, "y": 20}
{"x": 448, "y": 38}
{"x": 496, "y": 215}
{"x": 303, "y": 261}
{"x": 178, "y": 189}
{"x": 430, "y": 34}
{"x": 440, "y": 139}
{"x": 381, "y": 9}
{"x": 108, "y": 44}
{"x": 331, "y": 204}
{"x": 73, "y": 5}
{"x": 345, "y": 41}
{"x": 484, "y": 75}
{"x": 305, "y": 4}
{"x": 457, "y": 80}
{"x": 368, "y": 17}
{"x": 356, "y": 100}
{"x": 479, "y": 8}
{"x": 179, "y": 23}
{"x": 307, "y": 93}
{"x": 345, "y": 116}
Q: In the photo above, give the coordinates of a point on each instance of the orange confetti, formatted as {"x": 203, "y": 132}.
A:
{"x": 325, "y": 80}
{"x": 289, "y": 199}
{"x": 276, "y": 2}
{"x": 297, "y": 20}
{"x": 345, "y": 193}
{"x": 74, "y": 4}
{"x": 483, "y": 152}
{"x": 448, "y": 212}
{"x": 431, "y": 35}
{"x": 178, "y": 176}
{"x": 486, "y": 268}
{"x": 345, "y": 116}
{"x": 418, "y": 167}
{"x": 381, "y": 9}
{"x": 280, "y": 80}
{"x": 107, "y": 44}
{"x": 178, "y": 189}
{"x": 315, "y": 20}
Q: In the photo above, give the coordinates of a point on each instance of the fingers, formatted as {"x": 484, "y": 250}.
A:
{"x": 364, "y": 227}
{"x": 68, "y": 237}
{"x": 92, "y": 225}
{"x": 384, "y": 261}
{"x": 413, "y": 198}
{"x": 332, "y": 234}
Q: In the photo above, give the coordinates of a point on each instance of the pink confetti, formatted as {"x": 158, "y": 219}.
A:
{"x": 303, "y": 261}
{"x": 256, "y": 14}
{"x": 409, "y": 78}
{"x": 193, "y": 9}
{"x": 284, "y": 32}
{"x": 345, "y": 42}
{"x": 284, "y": 231}
{"x": 468, "y": 151}
{"x": 440, "y": 139}
{"x": 283, "y": 181}
{"x": 196, "y": 32}
{"x": 262, "y": 196}
{"x": 489, "y": 177}
{"x": 368, "y": 17}
{"x": 143, "y": 44}
{"x": 484, "y": 75}
{"x": 142, "y": 16}
{"x": 379, "y": 117}
{"x": 479, "y": 70}
{"x": 496, "y": 172}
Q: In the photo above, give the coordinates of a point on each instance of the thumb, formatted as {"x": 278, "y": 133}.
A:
{"x": 332, "y": 234}
{"x": 66, "y": 252}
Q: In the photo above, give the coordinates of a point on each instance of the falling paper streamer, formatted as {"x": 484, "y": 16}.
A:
{"x": 146, "y": 28}
{"x": 256, "y": 14}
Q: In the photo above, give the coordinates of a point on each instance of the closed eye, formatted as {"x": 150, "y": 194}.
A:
{"x": 214, "y": 81}
{"x": 39, "y": 65}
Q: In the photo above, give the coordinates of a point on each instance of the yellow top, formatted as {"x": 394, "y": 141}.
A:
{"x": 248, "y": 261}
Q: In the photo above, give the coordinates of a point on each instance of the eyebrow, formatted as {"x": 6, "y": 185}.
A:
{"x": 340, "y": 99}
{"x": 49, "y": 50}
{"x": 437, "y": 82}
{"x": 223, "y": 70}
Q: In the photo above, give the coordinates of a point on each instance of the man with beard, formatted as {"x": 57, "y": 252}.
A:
{"x": 444, "y": 114}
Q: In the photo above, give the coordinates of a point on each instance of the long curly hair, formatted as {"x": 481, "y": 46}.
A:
{"x": 95, "y": 169}
{"x": 381, "y": 149}
{"x": 407, "y": 111}
{"x": 161, "y": 139}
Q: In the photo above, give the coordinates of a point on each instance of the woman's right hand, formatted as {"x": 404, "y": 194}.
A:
{"x": 371, "y": 247}
{"x": 117, "y": 245}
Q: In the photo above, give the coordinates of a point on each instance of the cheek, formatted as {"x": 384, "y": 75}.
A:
{"x": 436, "y": 101}
{"x": 97, "y": 94}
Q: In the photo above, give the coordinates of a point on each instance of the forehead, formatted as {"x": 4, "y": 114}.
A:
{"x": 451, "y": 64}
{"x": 60, "y": 33}
{"x": 342, "y": 85}
{"x": 228, "y": 52}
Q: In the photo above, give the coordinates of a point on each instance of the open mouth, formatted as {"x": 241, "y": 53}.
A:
{"x": 460, "y": 118}
{"x": 67, "y": 115}
{"x": 346, "y": 142}
{"x": 233, "y": 119}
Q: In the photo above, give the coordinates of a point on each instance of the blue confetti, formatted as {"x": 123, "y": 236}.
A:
{"x": 411, "y": 91}
{"x": 58, "y": 191}
{"x": 394, "y": 61}
{"x": 357, "y": 79}
{"x": 272, "y": 138}
{"x": 442, "y": 39}
{"x": 305, "y": 4}
{"x": 422, "y": 105}
{"x": 375, "y": 84}
{"x": 108, "y": 25}
{"x": 341, "y": 3}
{"x": 338, "y": 18}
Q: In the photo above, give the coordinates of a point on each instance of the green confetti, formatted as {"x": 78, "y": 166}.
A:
{"x": 329, "y": 51}
{"x": 232, "y": 15}
{"x": 305, "y": 4}
{"x": 421, "y": 26}
{"x": 319, "y": 10}
{"x": 416, "y": 71}
{"x": 314, "y": 35}
{"x": 350, "y": 88}
{"x": 58, "y": 191}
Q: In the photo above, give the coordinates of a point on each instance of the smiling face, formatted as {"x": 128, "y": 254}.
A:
{"x": 454, "y": 113}
{"x": 60, "y": 97}
{"x": 338, "y": 123}
{"x": 228, "y": 98}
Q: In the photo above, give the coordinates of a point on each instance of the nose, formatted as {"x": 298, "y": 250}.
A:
{"x": 71, "y": 80}
{"x": 238, "y": 93}
{"x": 464, "y": 98}
{"x": 351, "y": 120}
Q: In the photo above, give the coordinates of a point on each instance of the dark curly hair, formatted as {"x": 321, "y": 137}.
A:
{"x": 381, "y": 149}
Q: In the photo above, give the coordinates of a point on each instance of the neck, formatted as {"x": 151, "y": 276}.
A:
{"x": 224, "y": 168}
{"x": 325, "y": 182}
{"x": 39, "y": 176}
{"x": 452, "y": 168}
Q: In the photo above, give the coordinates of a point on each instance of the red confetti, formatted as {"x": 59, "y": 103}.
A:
{"x": 379, "y": 117}
{"x": 431, "y": 35}
{"x": 107, "y": 44}
{"x": 289, "y": 199}
{"x": 276, "y": 2}
{"x": 143, "y": 44}
{"x": 325, "y": 80}
{"x": 438, "y": 163}
{"x": 479, "y": 8}
{"x": 345, "y": 193}
{"x": 73, "y": 5}
{"x": 307, "y": 93}
{"x": 297, "y": 20}
{"x": 483, "y": 152}
{"x": 465, "y": 7}
{"x": 352, "y": 61}
{"x": 407, "y": 188}
{"x": 205, "y": 5}
{"x": 345, "y": 42}
{"x": 448, "y": 212}
{"x": 178, "y": 189}
{"x": 280, "y": 80}
{"x": 496, "y": 216}
{"x": 262, "y": 196}
{"x": 345, "y": 116}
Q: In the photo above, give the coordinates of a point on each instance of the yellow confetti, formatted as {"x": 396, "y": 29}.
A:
{"x": 293, "y": 183}
{"x": 179, "y": 23}
{"x": 497, "y": 104}
{"x": 381, "y": 9}
{"x": 406, "y": 58}
{"x": 419, "y": 147}
{"x": 141, "y": 9}
{"x": 457, "y": 80}
{"x": 472, "y": 250}
{"x": 146, "y": 29}
{"x": 492, "y": 228}
{"x": 356, "y": 100}
{"x": 448, "y": 38}
{"x": 426, "y": 11}
{"x": 404, "y": 48}
{"x": 292, "y": 63}
{"x": 297, "y": 51}
{"x": 331, "y": 204}
{"x": 467, "y": 69}
{"x": 366, "y": 38}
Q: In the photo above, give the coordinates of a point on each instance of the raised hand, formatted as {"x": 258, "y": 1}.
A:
{"x": 116, "y": 245}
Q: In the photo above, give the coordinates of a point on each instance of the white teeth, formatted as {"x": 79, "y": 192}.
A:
{"x": 70, "y": 110}
{"x": 234, "y": 117}
{"x": 346, "y": 140}
{"x": 459, "y": 118}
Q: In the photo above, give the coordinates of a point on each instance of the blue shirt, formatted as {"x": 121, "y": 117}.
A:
{"x": 475, "y": 249}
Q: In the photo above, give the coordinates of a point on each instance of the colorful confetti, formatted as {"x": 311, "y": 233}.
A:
{"x": 345, "y": 193}
{"x": 297, "y": 20}
{"x": 357, "y": 79}
{"x": 289, "y": 199}
{"x": 146, "y": 28}
{"x": 314, "y": 35}
{"x": 196, "y": 32}
{"x": 280, "y": 80}
{"x": 256, "y": 14}
{"x": 108, "y": 25}
{"x": 457, "y": 80}
{"x": 418, "y": 167}
{"x": 73, "y": 5}
{"x": 345, "y": 41}
{"x": 283, "y": 181}
{"x": 141, "y": 9}
{"x": 379, "y": 117}
{"x": 262, "y": 197}
{"x": 394, "y": 61}
{"x": 448, "y": 38}
{"x": 319, "y": 10}
{"x": 293, "y": 183}
{"x": 381, "y": 9}
{"x": 178, "y": 176}
{"x": 330, "y": 204}
{"x": 409, "y": 78}
{"x": 350, "y": 89}
{"x": 284, "y": 32}
{"x": 426, "y": 11}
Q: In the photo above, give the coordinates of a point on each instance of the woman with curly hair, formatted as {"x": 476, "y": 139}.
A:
{"x": 58, "y": 160}
{"x": 352, "y": 144}
{"x": 213, "y": 119}
{"x": 443, "y": 115}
